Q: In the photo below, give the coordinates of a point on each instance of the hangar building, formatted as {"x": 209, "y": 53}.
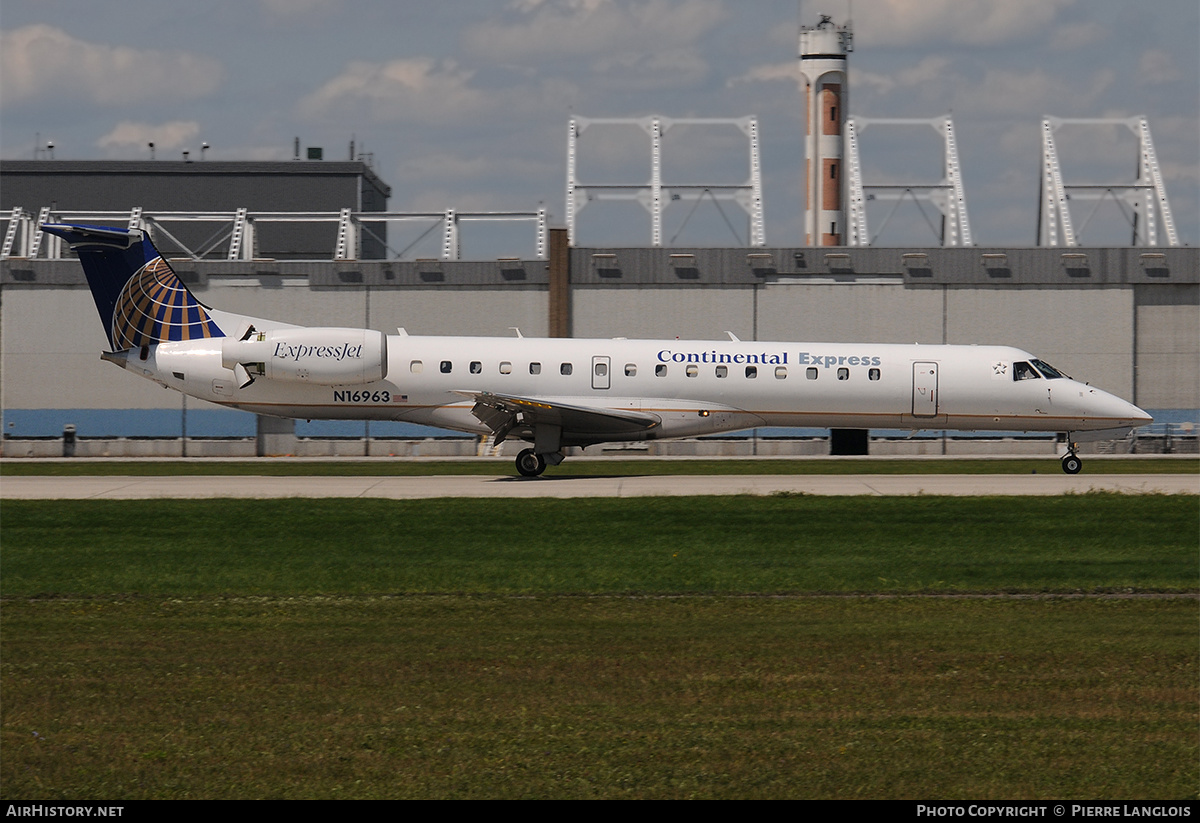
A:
{"x": 185, "y": 195}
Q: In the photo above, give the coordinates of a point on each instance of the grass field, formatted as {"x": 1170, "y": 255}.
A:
{"x": 736, "y": 545}
{"x": 658, "y": 648}
{"x": 605, "y": 467}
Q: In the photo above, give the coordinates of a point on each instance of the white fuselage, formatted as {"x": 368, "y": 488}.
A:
{"x": 693, "y": 387}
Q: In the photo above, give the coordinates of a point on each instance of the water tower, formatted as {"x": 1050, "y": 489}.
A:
{"x": 823, "y": 50}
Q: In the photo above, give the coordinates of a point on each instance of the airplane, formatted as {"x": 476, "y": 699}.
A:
{"x": 556, "y": 393}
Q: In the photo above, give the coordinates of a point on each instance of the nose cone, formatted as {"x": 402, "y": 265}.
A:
{"x": 1097, "y": 409}
{"x": 1123, "y": 413}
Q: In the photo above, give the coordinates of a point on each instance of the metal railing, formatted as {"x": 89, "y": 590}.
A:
{"x": 235, "y": 234}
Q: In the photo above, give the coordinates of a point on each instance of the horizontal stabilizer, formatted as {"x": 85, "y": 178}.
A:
{"x": 81, "y": 236}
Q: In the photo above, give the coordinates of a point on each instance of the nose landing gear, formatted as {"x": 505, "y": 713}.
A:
{"x": 1071, "y": 464}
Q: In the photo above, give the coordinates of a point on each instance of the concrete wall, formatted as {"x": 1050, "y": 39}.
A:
{"x": 1168, "y": 346}
{"x": 1087, "y": 332}
{"x": 847, "y": 313}
{"x": 648, "y": 312}
{"x": 419, "y": 311}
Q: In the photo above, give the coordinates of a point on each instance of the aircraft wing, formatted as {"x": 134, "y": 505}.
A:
{"x": 503, "y": 413}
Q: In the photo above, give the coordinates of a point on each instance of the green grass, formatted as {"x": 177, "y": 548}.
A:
{"x": 648, "y": 648}
{"x": 606, "y": 467}
{"x": 783, "y": 543}
{"x": 586, "y": 697}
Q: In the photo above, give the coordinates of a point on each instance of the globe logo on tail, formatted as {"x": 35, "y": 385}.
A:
{"x": 154, "y": 306}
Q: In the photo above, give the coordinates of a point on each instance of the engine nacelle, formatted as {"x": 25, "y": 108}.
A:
{"x": 328, "y": 357}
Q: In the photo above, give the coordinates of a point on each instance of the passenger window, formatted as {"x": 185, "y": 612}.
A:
{"x": 722, "y": 371}
{"x": 873, "y": 374}
{"x": 843, "y": 373}
{"x": 630, "y": 370}
{"x": 565, "y": 368}
{"x": 506, "y": 367}
{"x": 692, "y": 370}
{"x": 752, "y": 372}
{"x": 535, "y": 368}
{"x": 447, "y": 367}
{"x": 660, "y": 371}
{"x": 476, "y": 367}
{"x": 1024, "y": 371}
{"x": 811, "y": 373}
{"x": 416, "y": 366}
{"x": 601, "y": 369}
{"x": 780, "y": 372}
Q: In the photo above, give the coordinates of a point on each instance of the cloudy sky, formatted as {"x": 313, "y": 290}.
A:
{"x": 465, "y": 103}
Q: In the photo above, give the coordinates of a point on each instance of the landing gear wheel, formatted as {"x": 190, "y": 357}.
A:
{"x": 1072, "y": 464}
{"x": 530, "y": 464}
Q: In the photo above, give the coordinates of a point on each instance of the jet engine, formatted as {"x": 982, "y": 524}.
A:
{"x": 327, "y": 357}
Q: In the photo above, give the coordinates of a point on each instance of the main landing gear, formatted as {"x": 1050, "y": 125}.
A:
{"x": 530, "y": 464}
{"x": 1071, "y": 464}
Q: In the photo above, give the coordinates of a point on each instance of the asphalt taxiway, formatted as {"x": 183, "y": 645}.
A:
{"x": 112, "y": 487}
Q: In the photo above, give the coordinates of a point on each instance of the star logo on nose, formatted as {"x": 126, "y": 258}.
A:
{"x": 999, "y": 368}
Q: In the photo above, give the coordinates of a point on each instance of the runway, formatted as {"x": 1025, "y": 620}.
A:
{"x": 568, "y": 486}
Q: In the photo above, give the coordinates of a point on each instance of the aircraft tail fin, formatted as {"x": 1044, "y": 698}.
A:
{"x": 140, "y": 298}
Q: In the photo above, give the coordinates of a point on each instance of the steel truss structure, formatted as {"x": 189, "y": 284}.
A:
{"x": 654, "y": 195}
{"x": 1144, "y": 197}
{"x": 947, "y": 195}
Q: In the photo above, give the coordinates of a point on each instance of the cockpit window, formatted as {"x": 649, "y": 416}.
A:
{"x": 1048, "y": 371}
{"x": 1024, "y": 371}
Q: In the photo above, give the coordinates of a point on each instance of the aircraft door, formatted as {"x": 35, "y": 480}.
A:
{"x": 601, "y": 372}
{"x": 925, "y": 389}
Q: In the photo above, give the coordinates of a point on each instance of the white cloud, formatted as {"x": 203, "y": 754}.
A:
{"x": 1036, "y": 91}
{"x": 1156, "y": 67}
{"x": 623, "y": 45}
{"x": 655, "y": 70}
{"x": 769, "y": 72}
{"x": 412, "y": 89}
{"x": 42, "y": 61}
{"x": 971, "y": 22}
{"x": 935, "y": 81}
{"x": 175, "y": 134}
{"x": 928, "y": 72}
{"x": 594, "y": 27}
